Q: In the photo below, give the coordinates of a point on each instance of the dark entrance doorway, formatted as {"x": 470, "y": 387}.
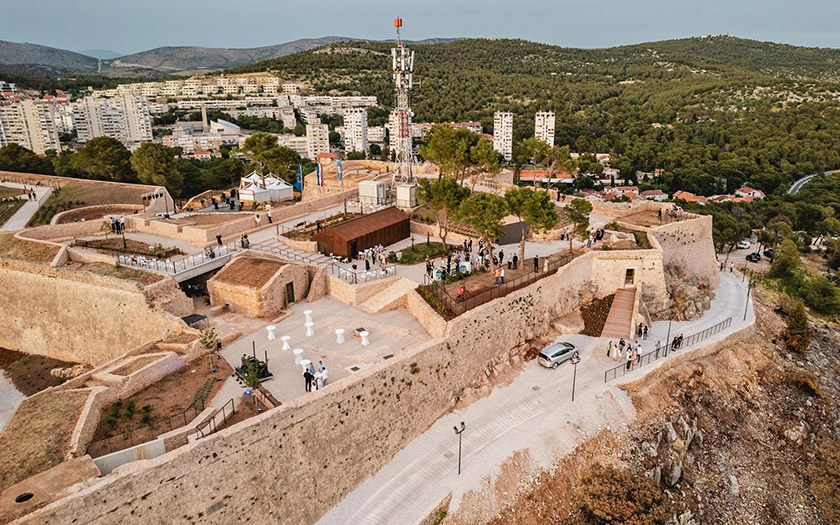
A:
{"x": 629, "y": 277}
{"x": 290, "y": 293}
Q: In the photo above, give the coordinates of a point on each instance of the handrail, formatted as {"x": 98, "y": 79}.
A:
{"x": 210, "y": 425}
{"x": 663, "y": 351}
{"x": 180, "y": 264}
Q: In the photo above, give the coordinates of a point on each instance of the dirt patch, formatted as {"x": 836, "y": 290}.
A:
{"x": 7, "y": 192}
{"x": 37, "y": 436}
{"x": 136, "y": 364}
{"x": 92, "y": 214}
{"x": 595, "y": 315}
{"x": 208, "y": 220}
{"x": 166, "y": 405}
{"x": 249, "y": 272}
{"x": 180, "y": 338}
{"x": 76, "y": 193}
{"x": 30, "y": 373}
{"x": 120, "y": 272}
{"x": 130, "y": 246}
{"x": 645, "y": 218}
{"x": 26, "y": 250}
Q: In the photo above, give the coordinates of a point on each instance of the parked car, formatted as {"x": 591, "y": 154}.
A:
{"x": 769, "y": 253}
{"x": 555, "y": 353}
{"x": 754, "y": 257}
{"x": 743, "y": 245}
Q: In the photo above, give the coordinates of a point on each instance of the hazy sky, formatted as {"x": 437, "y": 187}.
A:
{"x": 129, "y": 26}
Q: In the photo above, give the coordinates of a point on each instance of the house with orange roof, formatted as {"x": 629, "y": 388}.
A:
{"x": 687, "y": 196}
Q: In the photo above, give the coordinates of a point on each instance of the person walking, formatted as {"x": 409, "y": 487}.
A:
{"x": 269, "y": 216}
{"x": 609, "y": 349}
{"x": 644, "y": 333}
{"x": 658, "y": 348}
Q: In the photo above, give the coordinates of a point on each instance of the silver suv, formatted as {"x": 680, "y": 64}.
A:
{"x": 556, "y": 353}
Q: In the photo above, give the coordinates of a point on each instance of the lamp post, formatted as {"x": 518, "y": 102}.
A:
{"x": 575, "y": 361}
{"x": 747, "y": 305}
{"x": 668, "y": 337}
{"x": 459, "y": 432}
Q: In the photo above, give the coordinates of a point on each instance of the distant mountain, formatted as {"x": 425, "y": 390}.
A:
{"x": 105, "y": 54}
{"x": 179, "y": 59}
{"x": 24, "y": 55}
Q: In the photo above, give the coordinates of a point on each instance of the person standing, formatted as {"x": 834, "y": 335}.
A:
{"x": 503, "y": 274}
{"x": 497, "y": 274}
{"x": 629, "y": 359}
{"x": 257, "y": 219}
{"x": 609, "y": 349}
{"x": 219, "y": 239}
{"x": 501, "y": 256}
{"x": 658, "y": 347}
{"x": 515, "y": 261}
{"x": 307, "y": 378}
{"x": 462, "y": 292}
{"x": 536, "y": 263}
{"x": 269, "y": 216}
{"x": 644, "y": 333}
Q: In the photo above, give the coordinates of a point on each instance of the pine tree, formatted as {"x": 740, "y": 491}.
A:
{"x": 798, "y": 334}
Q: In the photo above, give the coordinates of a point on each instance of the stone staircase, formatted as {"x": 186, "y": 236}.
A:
{"x": 279, "y": 249}
{"x": 390, "y": 298}
{"x": 620, "y": 319}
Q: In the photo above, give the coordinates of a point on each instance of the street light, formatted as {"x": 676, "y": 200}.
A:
{"x": 575, "y": 361}
{"x": 459, "y": 432}
{"x": 668, "y": 337}
{"x": 746, "y": 306}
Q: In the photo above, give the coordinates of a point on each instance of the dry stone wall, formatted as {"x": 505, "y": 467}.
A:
{"x": 689, "y": 245}
{"x": 73, "y": 316}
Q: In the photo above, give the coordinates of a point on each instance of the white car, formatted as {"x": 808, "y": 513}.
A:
{"x": 743, "y": 245}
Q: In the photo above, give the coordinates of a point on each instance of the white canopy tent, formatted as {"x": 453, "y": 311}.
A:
{"x": 251, "y": 188}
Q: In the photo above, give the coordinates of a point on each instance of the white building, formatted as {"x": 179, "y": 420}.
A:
{"x": 31, "y": 124}
{"x": 355, "y": 130}
{"x": 544, "y": 127}
{"x": 125, "y": 118}
{"x": 376, "y": 134}
{"x": 317, "y": 140}
{"x": 503, "y": 133}
{"x": 299, "y": 144}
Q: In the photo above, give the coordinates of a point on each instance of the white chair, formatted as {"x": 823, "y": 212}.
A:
{"x": 270, "y": 329}
{"x": 364, "y": 335}
{"x": 309, "y": 331}
{"x": 285, "y": 340}
{"x": 298, "y": 353}
{"x": 339, "y": 336}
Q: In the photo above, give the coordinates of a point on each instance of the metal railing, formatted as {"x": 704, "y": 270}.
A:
{"x": 216, "y": 420}
{"x": 459, "y": 306}
{"x": 288, "y": 253}
{"x": 144, "y": 433}
{"x": 363, "y": 276}
{"x": 180, "y": 264}
{"x": 629, "y": 366}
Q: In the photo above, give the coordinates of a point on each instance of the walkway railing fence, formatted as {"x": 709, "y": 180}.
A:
{"x": 645, "y": 359}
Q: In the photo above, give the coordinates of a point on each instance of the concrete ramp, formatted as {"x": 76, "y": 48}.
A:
{"x": 390, "y": 298}
{"x": 620, "y": 319}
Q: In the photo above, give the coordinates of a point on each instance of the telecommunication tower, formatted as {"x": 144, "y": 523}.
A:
{"x": 403, "y": 72}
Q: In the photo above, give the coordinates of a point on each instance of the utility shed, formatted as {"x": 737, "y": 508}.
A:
{"x": 347, "y": 239}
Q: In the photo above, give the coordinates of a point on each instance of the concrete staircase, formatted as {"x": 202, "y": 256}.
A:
{"x": 620, "y": 319}
{"x": 390, "y": 298}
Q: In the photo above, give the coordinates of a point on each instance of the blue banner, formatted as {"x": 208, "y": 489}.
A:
{"x": 338, "y": 163}
{"x": 319, "y": 175}
{"x": 299, "y": 183}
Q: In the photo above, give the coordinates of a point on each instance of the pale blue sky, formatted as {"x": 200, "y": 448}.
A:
{"x": 130, "y": 26}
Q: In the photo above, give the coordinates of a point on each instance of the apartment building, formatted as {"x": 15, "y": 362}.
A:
{"x": 317, "y": 140}
{"x": 376, "y": 134}
{"x": 125, "y": 118}
{"x": 503, "y": 133}
{"x": 544, "y": 127}
{"x": 31, "y": 124}
{"x": 7, "y": 87}
{"x": 299, "y": 144}
{"x": 355, "y": 130}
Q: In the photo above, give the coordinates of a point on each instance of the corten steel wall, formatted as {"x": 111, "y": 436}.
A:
{"x": 338, "y": 240}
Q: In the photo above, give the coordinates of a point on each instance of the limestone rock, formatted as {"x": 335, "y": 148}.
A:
{"x": 734, "y": 487}
{"x": 673, "y": 473}
{"x": 670, "y": 433}
{"x": 649, "y": 449}
{"x": 571, "y": 323}
{"x": 678, "y": 445}
{"x": 70, "y": 371}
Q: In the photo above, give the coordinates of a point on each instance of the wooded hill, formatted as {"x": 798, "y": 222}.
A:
{"x": 739, "y": 109}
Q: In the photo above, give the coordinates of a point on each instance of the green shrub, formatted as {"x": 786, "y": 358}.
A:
{"x": 798, "y": 333}
{"x": 821, "y": 295}
{"x": 129, "y": 409}
{"x": 608, "y": 495}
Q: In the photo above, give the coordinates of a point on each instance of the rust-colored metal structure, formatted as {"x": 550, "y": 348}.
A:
{"x": 347, "y": 239}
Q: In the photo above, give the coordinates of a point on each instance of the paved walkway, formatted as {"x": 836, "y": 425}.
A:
{"x": 21, "y": 217}
{"x": 533, "y": 414}
{"x": 10, "y": 398}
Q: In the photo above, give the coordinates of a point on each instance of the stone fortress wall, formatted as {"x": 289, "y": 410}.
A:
{"x": 79, "y": 316}
{"x": 337, "y": 437}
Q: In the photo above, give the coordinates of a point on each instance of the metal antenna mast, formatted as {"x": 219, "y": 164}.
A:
{"x": 403, "y": 72}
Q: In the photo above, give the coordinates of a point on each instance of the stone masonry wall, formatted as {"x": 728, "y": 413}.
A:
{"x": 689, "y": 244}
{"x": 73, "y": 316}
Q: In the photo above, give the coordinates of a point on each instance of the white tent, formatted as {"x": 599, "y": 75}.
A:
{"x": 251, "y": 188}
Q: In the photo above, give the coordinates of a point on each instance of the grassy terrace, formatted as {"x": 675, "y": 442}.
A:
{"x": 37, "y": 436}
{"x": 26, "y": 250}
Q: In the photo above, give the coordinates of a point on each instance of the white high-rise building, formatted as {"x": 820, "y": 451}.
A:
{"x": 317, "y": 140}
{"x": 31, "y": 124}
{"x": 125, "y": 118}
{"x": 355, "y": 130}
{"x": 544, "y": 127}
{"x": 503, "y": 133}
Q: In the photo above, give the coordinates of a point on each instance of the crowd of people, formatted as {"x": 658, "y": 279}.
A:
{"x": 311, "y": 380}
{"x": 376, "y": 255}
{"x": 631, "y": 352}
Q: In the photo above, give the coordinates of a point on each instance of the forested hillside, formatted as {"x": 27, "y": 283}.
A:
{"x": 699, "y": 108}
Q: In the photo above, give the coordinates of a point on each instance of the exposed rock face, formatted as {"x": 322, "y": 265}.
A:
{"x": 69, "y": 372}
{"x": 690, "y": 295}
